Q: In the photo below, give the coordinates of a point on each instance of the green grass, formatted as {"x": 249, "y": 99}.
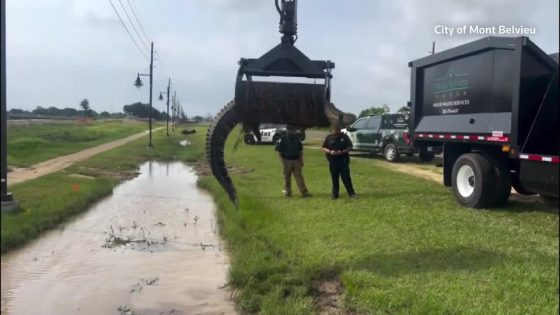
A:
{"x": 49, "y": 200}
{"x": 29, "y": 144}
{"x": 404, "y": 247}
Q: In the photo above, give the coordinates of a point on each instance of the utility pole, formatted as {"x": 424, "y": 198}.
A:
{"x": 172, "y": 111}
{"x": 178, "y": 112}
{"x": 168, "y": 87}
{"x": 138, "y": 84}
{"x": 7, "y": 199}
{"x": 151, "y": 89}
{"x": 175, "y": 111}
{"x": 181, "y": 114}
{"x": 433, "y": 48}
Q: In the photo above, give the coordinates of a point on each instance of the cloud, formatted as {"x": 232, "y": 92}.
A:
{"x": 245, "y": 6}
{"x": 82, "y": 46}
{"x": 95, "y": 20}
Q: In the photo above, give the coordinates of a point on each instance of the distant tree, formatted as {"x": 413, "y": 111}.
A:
{"x": 198, "y": 118}
{"x": 142, "y": 110}
{"x": 18, "y": 111}
{"x": 69, "y": 112}
{"x": 374, "y": 110}
{"x": 39, "y": 111}
{"x": 57, "y": 112}
{"x": 404, "y": 109}
{"x": 137, "y": 109}
{"x": 84, "y": 104}
{"x": 105, "y": 114}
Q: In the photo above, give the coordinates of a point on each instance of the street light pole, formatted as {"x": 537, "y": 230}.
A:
{"x": 138, "y": 84}
{"x": 7, "y": 199}
{"x": 161, "y": 99}
{"x": 168, "y": 87}
{"x": 173, "y": 111}
{"x": 176, "y": 103}
{"x": 151, "y": 89}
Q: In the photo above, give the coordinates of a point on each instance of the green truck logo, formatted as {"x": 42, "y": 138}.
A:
{"x": 451, "y": 82}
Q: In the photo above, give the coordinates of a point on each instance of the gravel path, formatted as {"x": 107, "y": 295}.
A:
{"x": 19, "y": 175}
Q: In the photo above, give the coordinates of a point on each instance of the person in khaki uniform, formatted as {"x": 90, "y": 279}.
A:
{"x": 290, "y": 149}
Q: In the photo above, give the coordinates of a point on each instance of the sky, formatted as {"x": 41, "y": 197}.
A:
{"x": 62, "y": 51}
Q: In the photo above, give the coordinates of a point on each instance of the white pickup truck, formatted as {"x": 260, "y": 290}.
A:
{"x": 270, "y": 133}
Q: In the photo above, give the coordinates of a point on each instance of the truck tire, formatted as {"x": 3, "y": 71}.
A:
{"x": 249, "y": 139}
{"x": 391, "y": 153}
{"x": 426, "y": 156}
{"x": 502, "y": 181}
{"x": 473, "y": 180}
{"x": 516, "y": 183}
{"x": 550, "y": 201}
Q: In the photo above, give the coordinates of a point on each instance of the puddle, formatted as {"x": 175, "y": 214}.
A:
{"x": 185, "y": 143}
{"x": 150, "y": 248}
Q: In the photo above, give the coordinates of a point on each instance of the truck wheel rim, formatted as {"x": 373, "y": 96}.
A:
{"x": 465, "y": 181}
{"x": 390, "y": 154}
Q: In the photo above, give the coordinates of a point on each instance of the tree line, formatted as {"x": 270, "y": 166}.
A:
{"x": 384, "y": 109}
{"x": 135, "y": 110}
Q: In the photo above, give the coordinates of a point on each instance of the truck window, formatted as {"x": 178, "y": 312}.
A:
{"x": 374, "y": 123}
{"x": 361, "y": 123}
{"x": 395, "y": 122}
{"x": 270, "y": 126}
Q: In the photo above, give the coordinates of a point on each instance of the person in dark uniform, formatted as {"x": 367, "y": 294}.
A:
{"x": 290, "y": 149}
{"x": 336, "y": 147}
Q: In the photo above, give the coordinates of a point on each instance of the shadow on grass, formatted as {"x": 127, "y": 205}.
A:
{"x": 432, "y": 260}
{"x": 438, "y": 159}
{"x": 342, "y": 197}
{"x": 524, "y": 204}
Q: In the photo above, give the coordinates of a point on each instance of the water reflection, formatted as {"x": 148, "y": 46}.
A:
{"x": 150, "y": 248}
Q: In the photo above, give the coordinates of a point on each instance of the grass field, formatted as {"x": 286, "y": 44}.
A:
{"x": 404, "y": 247}
{"x": 49, "y": 200}
{"x": 29, "y": 144}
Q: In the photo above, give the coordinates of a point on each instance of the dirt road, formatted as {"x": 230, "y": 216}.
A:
{"x": 19, "y": 175}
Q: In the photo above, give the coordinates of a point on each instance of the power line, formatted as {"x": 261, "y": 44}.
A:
{"x": 138, "y": 20}
{"x": 129, "y": 34}
{"x": 132, "y": 24}
{"x": 160, "y": 62}
{"x": 146, "y": 37}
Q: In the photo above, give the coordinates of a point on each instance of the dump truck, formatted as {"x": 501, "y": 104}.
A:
{"x": 493, "y": 105}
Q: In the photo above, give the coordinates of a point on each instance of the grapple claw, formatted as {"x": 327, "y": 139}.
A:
{"x": 298, "y": 104}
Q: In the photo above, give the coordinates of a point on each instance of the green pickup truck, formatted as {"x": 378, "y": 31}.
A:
{"x": 386, "y": 134}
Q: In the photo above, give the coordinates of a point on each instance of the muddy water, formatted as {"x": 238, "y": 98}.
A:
{"x": 150, "y": 248}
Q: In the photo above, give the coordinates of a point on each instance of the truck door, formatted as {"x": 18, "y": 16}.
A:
{"x": 373, "y": 136}
{"x": 356, "y": 132}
